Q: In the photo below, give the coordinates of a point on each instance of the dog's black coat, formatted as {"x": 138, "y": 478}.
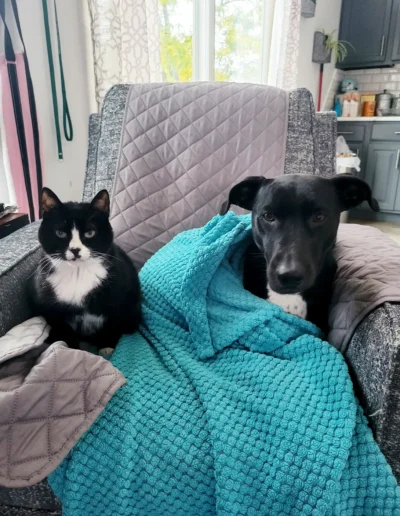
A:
{"x": 295, "y": 219}
{"x": 117, "y": 298}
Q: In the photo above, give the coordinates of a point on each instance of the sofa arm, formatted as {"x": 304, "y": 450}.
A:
{"x": 19, "y": 255}
{"x": 373, "y": 355}
{"x": 325, "y": 134}
{"x": 90, "y": 174}
{"x": 37, "y": 500}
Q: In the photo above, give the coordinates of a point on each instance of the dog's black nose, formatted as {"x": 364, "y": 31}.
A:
{"x": 289, "y": 277}
{"x": 75, "y": 251}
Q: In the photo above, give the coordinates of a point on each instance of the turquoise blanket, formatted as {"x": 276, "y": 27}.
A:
{"x": 232, "y": 406}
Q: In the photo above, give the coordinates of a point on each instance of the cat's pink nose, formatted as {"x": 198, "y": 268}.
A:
{"x": 75, "y": 251}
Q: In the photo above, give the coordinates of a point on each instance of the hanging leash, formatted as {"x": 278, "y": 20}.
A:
{"x": 67, "y": 123}
{"x": 17, "y": 107}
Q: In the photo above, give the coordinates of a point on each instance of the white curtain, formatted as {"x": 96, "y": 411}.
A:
{"x": 126, "y": 43}
{"x": 284, "y": 49}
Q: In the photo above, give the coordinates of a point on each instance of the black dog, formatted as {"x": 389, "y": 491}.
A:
{"x": 295, "y": 219}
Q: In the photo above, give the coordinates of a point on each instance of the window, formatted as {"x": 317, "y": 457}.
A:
{"x": 176, "y": 39}
{"x": 220, "y": 40}
{"x": 238, "y": 40}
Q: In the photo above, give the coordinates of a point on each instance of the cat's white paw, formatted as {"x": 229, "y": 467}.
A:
{"x": 105, "y": 352}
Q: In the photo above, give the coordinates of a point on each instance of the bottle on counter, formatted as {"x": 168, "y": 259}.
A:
{"x": 355, "y": 104}
{"x": 346, "y": 105}
{"x": 338, "y": 108}
{"x": 369, "y": 108}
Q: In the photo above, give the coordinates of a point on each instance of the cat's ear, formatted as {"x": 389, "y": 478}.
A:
{"x": 102, "y": 202}
{"x": 49, "y": 200}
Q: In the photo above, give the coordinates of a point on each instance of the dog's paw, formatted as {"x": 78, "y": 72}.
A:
{"x": 106, "y": 352}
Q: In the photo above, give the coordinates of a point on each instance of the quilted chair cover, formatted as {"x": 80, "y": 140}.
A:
{"x": 183, "y": 146}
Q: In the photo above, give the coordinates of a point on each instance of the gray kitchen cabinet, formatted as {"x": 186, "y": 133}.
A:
{"x": 394, "y": 40}
{"x": 378, "y": 146}
{"x": 366, "y": 25}
{"x": 382, "y": 173}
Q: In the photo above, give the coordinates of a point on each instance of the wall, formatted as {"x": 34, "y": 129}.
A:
{"x": 327, "y": 17}
{"x": 66, "y": 177}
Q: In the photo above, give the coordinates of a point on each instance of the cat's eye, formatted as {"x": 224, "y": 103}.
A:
{"x": 61, "y": 234}
{"x": 90, "y": 234}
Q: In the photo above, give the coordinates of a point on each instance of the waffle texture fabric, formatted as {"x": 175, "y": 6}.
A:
{"x": 232, "y": 406}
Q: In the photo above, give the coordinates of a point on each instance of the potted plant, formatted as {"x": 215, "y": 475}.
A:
{"x": 324, "y": 46}
{"x": 308, "y": 8}
{"x": 335, "y": 46}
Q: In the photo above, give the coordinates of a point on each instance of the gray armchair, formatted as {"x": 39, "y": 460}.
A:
{"x": 373, "y": 353}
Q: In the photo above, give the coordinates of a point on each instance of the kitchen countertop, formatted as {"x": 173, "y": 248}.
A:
{"x": 369, "y": 119}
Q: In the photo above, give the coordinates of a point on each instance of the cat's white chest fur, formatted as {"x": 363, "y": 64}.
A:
{"x": 292, "y": 303}
{"x": 73, "y": 281}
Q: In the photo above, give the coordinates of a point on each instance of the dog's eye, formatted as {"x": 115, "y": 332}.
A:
{"x": 61, "y": 234}
{"x": 269, "y": 217}
{"x": 90, "y": 234}
{"x": 319, "y": 218}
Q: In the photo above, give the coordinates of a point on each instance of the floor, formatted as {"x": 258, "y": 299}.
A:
{"x": 391, "y": 229}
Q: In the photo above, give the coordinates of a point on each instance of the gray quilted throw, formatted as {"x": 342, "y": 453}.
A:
{"x": 49, "y": 397}
{"x": 183, "y": 146}
{"x": 368, "y": 275}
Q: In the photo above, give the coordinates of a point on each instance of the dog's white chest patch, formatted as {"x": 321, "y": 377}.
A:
{"x": 292, "y": 303}
{"x": 73, "y": 281}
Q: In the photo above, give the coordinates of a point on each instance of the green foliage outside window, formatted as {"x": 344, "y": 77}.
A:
{"x": 238, "y": 41}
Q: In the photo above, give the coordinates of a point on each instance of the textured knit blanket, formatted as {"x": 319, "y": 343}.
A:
{"x": 232, "y": 407}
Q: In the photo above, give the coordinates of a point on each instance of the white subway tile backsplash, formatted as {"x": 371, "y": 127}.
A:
{"x": 373, "y": 87}
{"x": 369, "y": 81}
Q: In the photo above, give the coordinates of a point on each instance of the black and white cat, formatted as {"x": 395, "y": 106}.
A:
{"x": 85, "y": 286}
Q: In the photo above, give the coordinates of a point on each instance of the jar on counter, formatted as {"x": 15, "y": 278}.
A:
{"x": 369, "y": 108}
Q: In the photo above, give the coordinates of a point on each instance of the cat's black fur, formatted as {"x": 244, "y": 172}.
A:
{"x": 108, "y": 310}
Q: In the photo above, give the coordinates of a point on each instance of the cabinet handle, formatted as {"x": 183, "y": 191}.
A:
{"x": 358, "y": 152}
{"x": 345, "y": 132}
{"x": 382, "y": 44}
{"x": 398, "y": 159}
{"x": 397, "y": 132}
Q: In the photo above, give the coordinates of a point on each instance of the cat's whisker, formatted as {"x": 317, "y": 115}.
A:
{"x": 107, "y": 256}
{"x": 43, "y": 262}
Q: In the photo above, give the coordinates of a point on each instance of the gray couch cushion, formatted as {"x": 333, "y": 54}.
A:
{"x": 183, "y": 146}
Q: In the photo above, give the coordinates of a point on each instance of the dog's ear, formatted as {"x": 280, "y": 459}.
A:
{"x": 353, "y": 191}
{"x": 244, "y": 193}
{"x": 49, "y": 200}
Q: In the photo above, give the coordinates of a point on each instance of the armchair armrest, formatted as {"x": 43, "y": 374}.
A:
{"x": 325, "y": 135}
{"x": 90, "y": 174}
{"x": 19, "y": 255}
{"x": 373, "y": 355}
